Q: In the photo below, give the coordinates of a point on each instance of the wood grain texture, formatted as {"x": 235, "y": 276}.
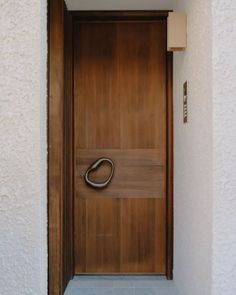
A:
{"x": 170, "y": 170}
{"x": 120, "y": 15}
{"x": 141, "y": 72}
{"x": 139, "y": 172}
{"x": 56, "y": 172}
{"x": 120, "y": 90}
{"x": 67, "y": 206}
{"x": 142, "y": 236}
{"x": 120, "y": 236}
{"x": 55, "y": 143}
{"x": 99, "y": 233}
{"x": 97, "y": 116}
{"x": 120, "y": 112}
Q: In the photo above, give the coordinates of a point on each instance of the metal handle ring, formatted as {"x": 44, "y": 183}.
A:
{"x": 94, "y": 166}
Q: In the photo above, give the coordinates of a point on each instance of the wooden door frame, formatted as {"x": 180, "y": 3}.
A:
{"x": 60, "y": 104}
{"x": 55, "y": 143}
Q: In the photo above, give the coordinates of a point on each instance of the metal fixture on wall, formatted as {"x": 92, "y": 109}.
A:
{"x": 185, "y": 102}
{"x": 176, "y": 31}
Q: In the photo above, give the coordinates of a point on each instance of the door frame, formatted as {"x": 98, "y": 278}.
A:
{"x": 60, "y": 138}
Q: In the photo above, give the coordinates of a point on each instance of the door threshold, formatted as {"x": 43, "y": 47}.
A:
{"x": 120, "y": 285}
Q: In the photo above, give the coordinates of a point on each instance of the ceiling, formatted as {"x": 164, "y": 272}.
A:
{"x": 120, "y": 4}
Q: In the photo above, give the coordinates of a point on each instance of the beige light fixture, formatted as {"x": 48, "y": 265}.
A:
{"x": 176, "y": 31}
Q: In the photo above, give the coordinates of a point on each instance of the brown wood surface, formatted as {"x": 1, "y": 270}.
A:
{"x": 55, "y": 143}
{"x": 56, "y": 157}
{"x": 120, "y": 111}
{"x": 118, "y": 87}
{"x": 67, "y": 207}
{"x": 170, "y": 171}
{"x": 139, "y": 172}
{"x": 143, "y": 236}
{"x": 120, "y": 15}
{"x": 122, "y": 235}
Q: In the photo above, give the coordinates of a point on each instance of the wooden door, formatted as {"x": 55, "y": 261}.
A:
{"x": 120, "y": 112}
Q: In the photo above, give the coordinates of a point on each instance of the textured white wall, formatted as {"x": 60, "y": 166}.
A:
{"x": 121, "y": 4}
{"x": 193, "y": 153}
{"x": 23, "y": 199}
{"x": 224, "y": 131}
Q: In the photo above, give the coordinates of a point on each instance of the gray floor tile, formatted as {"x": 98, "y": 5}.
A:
{"x": 153, "y": 284}
{"x": 103, "y": 283}
{"x": 123, "y": 283}
{"x": 85, "y": 278}
{"x": 80, "y": 291}
{"x": 145, "y": 291}
{"x": 120, "y": 285}
{"x": 123, "y": 291}
{"x": 103, "y": 291}
{"x": 81, "y": 284}
{"x": 166, "y": 291}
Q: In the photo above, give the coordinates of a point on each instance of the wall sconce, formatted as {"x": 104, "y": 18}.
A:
{"x": 176, "y": 31}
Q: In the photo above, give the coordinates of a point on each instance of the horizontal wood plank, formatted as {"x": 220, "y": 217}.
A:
{"x": 140, "y": 173}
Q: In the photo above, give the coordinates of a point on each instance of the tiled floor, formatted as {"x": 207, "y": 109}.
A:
{"x": 120, "y": 285}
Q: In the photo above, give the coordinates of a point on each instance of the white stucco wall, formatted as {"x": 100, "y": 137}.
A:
{"x": 193, "y": 153}
{"x": 23, "y": 218}
{"x": 224, "y": 134}
{"x": 205, "y": 151}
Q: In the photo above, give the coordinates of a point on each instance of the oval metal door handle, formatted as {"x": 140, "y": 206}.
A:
{"x": 94, "y": 166}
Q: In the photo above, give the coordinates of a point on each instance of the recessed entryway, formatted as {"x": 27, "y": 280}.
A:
{"x": 116, "y": 116}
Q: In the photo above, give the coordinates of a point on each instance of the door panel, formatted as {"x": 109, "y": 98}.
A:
{"x": 139, "y": 172}
{"x": 120, "y": 112}
{"x": 101, "y": 220}
{"x": 97, "y": 119}
{"x": 122, "y": 235}
{"x": 142, "y": 224}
